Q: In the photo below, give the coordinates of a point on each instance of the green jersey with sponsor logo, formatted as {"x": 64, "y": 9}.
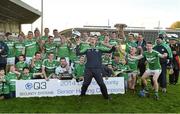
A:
{"x": 4, "y": 86}
{"x": 2, "y": 79}
{"x": 114, "y": 42}
{"x": 26, "y": 76}
{"x": 19, "y": 48}
{"x": 30, "y": 47}
{"x": 50, "y": 48}
{"x": 132, "y": 62}
{"x": 153, "y": 59}
{"x": 122, "y": 67}
{"x": 73, "y": 56}
{"x": 116, "y": 65}
{"x": 37, "y": 66}
{"x": 101, "y": 38}
{"x": 11, "y": 78}
{"x": 106, "y": 57}
{"x": 84, "y": 46}
{"x": 50, "y": 66}
{"x": 45, "y": 38}
{"x": 10, "y": 44}
{"x": 129, "y": 45}
{"x": 20, "y": 65}
{"x": 63, "y": 50}
{"x": 79, "y": 70}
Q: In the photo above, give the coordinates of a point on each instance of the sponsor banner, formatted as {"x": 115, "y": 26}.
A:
{"x": 36, "y": 88}
{"x": 54, "y": 87}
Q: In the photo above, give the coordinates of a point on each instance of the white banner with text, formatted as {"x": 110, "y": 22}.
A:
{"x": 55, "y": 87}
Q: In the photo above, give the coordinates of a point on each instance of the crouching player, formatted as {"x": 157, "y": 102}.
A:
{"x": 26, "y": 75}
{"x": 154, "y": 67}
{"x": 4, "y": 85}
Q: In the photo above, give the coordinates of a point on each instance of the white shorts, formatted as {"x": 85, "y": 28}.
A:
{"x": 28, "y": 60}
{"x": 154, "y": 73}
{"x": 11, "y": 61}
{"x": 132, "y": 74}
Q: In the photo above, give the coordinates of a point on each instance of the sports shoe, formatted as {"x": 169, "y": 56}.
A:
{"x": 109, "y": 98}
{"x": 146, "y": 93}
{"x": 156, "y": 96}
{"x": 164, "y": 90}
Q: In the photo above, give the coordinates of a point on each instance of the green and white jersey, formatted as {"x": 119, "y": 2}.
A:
{"x": 4, "y": 86}
{"x": 50, "y": 66}
{"x": 121, "y": 67}
{"x": 79, "y": 70}
{"x": 50, "y": 48}
{"x": 11, "y": 51}
{"x": 84, "y": 45}
{"x": 72, "y": 55}
{"x": 11, "y": 78}
{"x": 45, "y": 38}
{"x": 26, "y": 76}
{"x": 1, "y": 84}
{"x": 19, "y": 48}
{"x": 20, "y": 65}
{"x": 132, "y": 63}
{"x": 63, "y": 50}
{"x": 101, "y": 38}
{"x": 124, "y": 67}
{"x": 37, "y": 66}
{"x": 153, "y": 59}
{"x": 129, "y": 45}
{"x": 30, "y": 47}
{"x": 36, "y": 39}
{"x": 114, "y": 42}
{"x": 116, "y": 65}
{"x": 106, "y": 59}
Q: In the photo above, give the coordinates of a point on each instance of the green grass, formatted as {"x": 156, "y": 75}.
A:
{"x": 127, "y": 103}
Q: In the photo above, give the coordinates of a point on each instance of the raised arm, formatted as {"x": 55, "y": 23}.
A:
{"x": 80, "y": 52}
{"x": 107, "y": 50}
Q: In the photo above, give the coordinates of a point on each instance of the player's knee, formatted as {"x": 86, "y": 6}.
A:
{"x": 143, "y": 78}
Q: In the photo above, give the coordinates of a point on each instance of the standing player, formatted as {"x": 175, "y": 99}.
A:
{"x": 133, "y": 65}
{"x": 11, "y": 55}
{"x": 50, "y": 46}
{"x": 93, "y": 66}
{"x": 154, "y": 67}
{"x": 30, "y": 47}
{"x": 19, "y": 47}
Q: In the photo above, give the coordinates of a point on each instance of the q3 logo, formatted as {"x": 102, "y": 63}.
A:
{"x": 29, "y": 86}
{"x": 36, "y": 85}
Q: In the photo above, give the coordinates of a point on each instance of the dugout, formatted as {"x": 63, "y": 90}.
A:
{"x": 13, "y": 13}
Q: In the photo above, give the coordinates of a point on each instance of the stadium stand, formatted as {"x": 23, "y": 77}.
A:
{"x": 13, "y": 13}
